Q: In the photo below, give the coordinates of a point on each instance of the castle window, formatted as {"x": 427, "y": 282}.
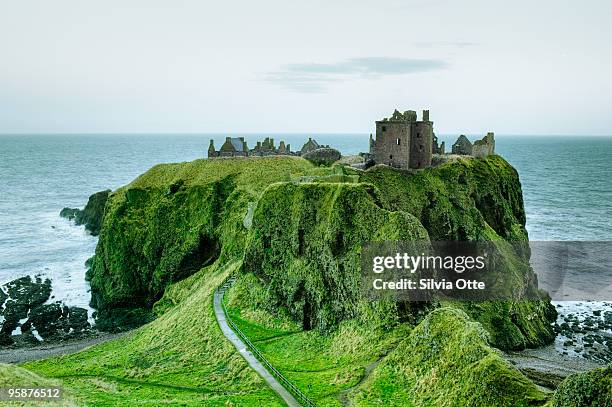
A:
{"x": 418, "y": 135}
{"x": 421, "y": 148}
{"x": 398, "y": 141}
{"x": 391, "y": 157}
{"x": 384, "y": 128}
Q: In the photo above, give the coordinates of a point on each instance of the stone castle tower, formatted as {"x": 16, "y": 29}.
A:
{"x": 402, "y": 141}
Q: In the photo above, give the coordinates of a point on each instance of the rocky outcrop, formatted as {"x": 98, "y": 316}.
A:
{"x": 168, "y": 224}
{"x": 91, "y": 216}
{"x": 304, "y": 237}
{"x": 20, "y": 296}
{"x": 323, "y": 156}
{"x": 23, "y": 306}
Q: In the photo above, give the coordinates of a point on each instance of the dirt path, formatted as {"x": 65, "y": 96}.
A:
{"x": 246, "y": 354}
{"x": 21, "y": 355}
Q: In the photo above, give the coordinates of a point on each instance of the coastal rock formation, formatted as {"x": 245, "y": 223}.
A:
{"x": 154, "y": 234}
{"x": 18, "y": 298}
{"x": 171, "y": 222}
{"x": 22, "y": 301}
{"x": 292, "y": 233}
{"x": 91, "y": 215}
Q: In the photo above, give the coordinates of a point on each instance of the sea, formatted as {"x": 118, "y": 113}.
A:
{"x": 566, "y": 181}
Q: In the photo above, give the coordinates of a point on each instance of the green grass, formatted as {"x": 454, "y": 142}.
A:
{"x": 16, "y": 377}
{"x": 324, "y": 367}
{"x": 181, "y": 358}
{"x": 444, "y": 361}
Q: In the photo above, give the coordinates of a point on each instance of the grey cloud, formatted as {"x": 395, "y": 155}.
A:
{"x": 313, "y": 77}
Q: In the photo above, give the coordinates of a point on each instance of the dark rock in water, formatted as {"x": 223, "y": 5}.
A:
{"x": 19, "y": 297}
{"x": 91, "y": 216}
{"x": 56, "y": 321}
{"x": 69, "y": 213}
{"x": 28, "y": 292}
{"x": 24, "y": 298}
{"x": 323, "y": 156}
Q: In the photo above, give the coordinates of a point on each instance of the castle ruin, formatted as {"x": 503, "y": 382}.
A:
{"x": 402, "y": 141}
{"x": 237, "y": 147}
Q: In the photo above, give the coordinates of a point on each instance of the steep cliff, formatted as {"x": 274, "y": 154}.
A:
{"x": 293, "y": 233}
{"x": 169, "y": 223}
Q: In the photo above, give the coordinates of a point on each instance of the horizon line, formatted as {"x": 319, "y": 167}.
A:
{"x": 262, "y": 133}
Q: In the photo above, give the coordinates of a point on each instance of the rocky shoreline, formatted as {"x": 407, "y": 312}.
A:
{"x": 28, "y": 316}
{"x": 584, "y": 330}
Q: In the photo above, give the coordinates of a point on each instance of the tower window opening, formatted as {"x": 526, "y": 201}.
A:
{"x": 421, "y": 148}
{"x": 391, "y": 157}
{"x": 384, "y": 128}
{"x": 399, "y": 141}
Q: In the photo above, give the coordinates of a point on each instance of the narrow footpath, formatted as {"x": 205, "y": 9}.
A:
{"x": 246, "y": 354}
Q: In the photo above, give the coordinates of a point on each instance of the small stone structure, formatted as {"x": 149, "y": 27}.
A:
{"x": 266, "y": 148}
{"x": 485, "y": 146}
{"x": 402, "y": 141}
{"x": 462, "y": 146}
{"x": 435, "y": 148}
{"x": 232, "y": 147}
{"x": 481, "y": 148}
{"x": 309, "y": 146}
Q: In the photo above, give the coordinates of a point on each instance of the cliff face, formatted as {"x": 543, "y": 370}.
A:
{"x": 172, "y": 221}
{"x": 302, "y": 239}
{"x": 305, "y": 242}
{"x": 91, "y": 216}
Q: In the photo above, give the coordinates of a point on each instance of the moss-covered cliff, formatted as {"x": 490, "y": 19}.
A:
{"x": 306, "y": 241}
{"x": 172, "y": 221}
{"x": 293, "y": 233}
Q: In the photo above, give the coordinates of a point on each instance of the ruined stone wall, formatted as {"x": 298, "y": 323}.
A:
{"x": 484, "y": 147}
{"x": 392, "y": 144}
{"x": 421, "y": 144}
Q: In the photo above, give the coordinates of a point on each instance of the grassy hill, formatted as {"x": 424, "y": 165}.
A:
{"x": 171, "y": 236}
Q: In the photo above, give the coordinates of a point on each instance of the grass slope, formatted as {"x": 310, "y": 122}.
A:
{"x": 181, "y": 358}
{"x": 16, "y": 377}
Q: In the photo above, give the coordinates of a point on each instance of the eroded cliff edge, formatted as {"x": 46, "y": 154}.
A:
{"x": 299, "y": 229}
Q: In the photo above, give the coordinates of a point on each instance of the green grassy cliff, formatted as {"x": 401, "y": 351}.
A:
{"x": 171, "y": 236}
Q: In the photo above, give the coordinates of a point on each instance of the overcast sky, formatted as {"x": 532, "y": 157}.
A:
{"x": 513, "y": 67}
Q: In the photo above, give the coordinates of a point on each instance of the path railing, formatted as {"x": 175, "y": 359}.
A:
{"x": 297, "y": 393}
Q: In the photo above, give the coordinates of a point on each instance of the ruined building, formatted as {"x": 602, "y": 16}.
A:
{"x": 481, "y": 148}
{"x": 485, "y": 146}
{"x": 232, "y": 147}
{"x": 237, "y": 147}
{"x": 402, "y": 141}
{"x": 462, "y": 146}
{"x": 266, "y": 147}
{"x": 309, "y": 146}
{"x": 435, "y": 148}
